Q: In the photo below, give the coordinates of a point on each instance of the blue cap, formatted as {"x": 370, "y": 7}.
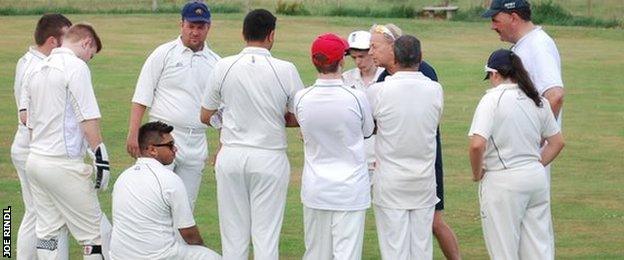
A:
{"x": 504, "y": 5}
{"x": 196, "y": 12}
{"x": 498, "y": 59}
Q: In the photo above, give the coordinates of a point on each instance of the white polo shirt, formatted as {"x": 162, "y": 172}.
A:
{"x": 26, "y": 63}
{"x": 353, "y": 78}
{"x": 255, "y": 91}
{"x": 149, "y": 206}
{"x": 407, "y": 107}
{"x": 541, "y": 60}
{"x": 513, "y": 126}
{"x": 172, "y": 82}
{"x": 334, "y": 121}
{"x": 58, "y": 95}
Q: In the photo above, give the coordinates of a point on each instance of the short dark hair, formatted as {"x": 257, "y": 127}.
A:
{"x": 152, "y": 133}
{"x": 523, "y": 12}
{"x": 258, "y": 24}
{"x": 407, "y": 51}
{"x": 81, "y": 31}
{"x": 320, "y": 63}
{"x": 50, "y": 25}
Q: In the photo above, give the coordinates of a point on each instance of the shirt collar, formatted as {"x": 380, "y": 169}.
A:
{"x": 62, "y": 50}
{"x": 503, "y": 86}
{"x": 405, "y": 74}
{"x": 328, "y": 82}
{"x": 256, "y": 50}
{"x": 533, "y": 31}
{"x": 33, "y": 50}
{"x": 204, "y": 51}
{"x": 148, "y": 160}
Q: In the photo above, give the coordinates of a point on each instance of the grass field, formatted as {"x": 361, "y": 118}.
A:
{"x": 587, "y": 179}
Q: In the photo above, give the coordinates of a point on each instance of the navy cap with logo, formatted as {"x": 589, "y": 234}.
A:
{"x": 499, "y": 59}
{"x": 504, "y": 5}
{"x": 196, "y": 12}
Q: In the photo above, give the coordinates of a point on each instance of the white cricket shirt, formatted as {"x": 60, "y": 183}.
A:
{"x": 149, "y": 206}
{"x": 26, "y": 63}
{"x": 353, "y": 78}
{"x": 407, "y": 107}
{"x": 172, "y": 82}
{"x": 334, "y": 121}
{"x": 513, "y": 126}
{"x": 58, "y": 95}
{"x": 255, "y": 91}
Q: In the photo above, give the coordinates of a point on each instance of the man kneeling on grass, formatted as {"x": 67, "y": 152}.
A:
{"x": 150, "y": 205}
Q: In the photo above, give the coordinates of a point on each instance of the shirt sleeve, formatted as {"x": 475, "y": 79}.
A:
{"x": 549, "y": 123}
{"x": 296, "y": 85}
{"x": 483, "y": 119}
{"x": 212, "y": 94}
{"x": 149, "y": 77}
{"x": 82, "y": 95}
{"x": 372, "y": 94}
{"x": 546, "y": 69}
{"x": 177, "y": 198}
{"x": 367, "y": 116}
{"x": 17, "y": 84}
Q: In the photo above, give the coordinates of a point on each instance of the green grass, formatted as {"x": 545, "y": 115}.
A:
{"x": 587, "y": 178}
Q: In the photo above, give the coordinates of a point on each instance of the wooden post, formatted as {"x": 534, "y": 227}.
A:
{"x": 589, "y": 8}
{"x": 154, "y": 5}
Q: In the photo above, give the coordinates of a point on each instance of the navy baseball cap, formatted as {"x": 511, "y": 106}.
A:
{"x": 498, "y": 59}
{"x": 196, "y": 12}
{"x": 504, "y": 5}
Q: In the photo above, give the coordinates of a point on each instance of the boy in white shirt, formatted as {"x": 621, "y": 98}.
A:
{"x": 334, "y": 120}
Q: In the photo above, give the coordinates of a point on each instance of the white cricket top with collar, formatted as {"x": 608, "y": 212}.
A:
{"x": 26, "y": 63}
{"x": 150, "y": 204}
{"x": 172, "y": 82}
{"x": 352, "y": 78}
{"x": 255, "y": 91}
{"x": 513, "y": 126}
{"x": 334, "y": 121}
{"x": 58, "y": 95}
{"x": 407, "y": 107}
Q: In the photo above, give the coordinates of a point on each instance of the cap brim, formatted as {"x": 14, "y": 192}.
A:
{"x": 489, "y": 13}
{"x": 487, "y": 76}
{"x": 197, "y": 20}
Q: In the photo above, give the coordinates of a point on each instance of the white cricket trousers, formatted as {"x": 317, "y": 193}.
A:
{"x": 26, "y": 236}
{"x": 64, "y": 195}
{"x": 190, "y": 158}
{"x": 405, "y": 234}
{"x": 333, "y": 234}
{"x": 515, "y": 213}
{"x": 251, "y": 195}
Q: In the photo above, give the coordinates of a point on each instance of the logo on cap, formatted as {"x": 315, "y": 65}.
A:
{"x": 510, "y": 5}
{"x": 199, "y": 11}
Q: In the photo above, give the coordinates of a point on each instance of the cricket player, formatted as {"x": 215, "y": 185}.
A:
{"x": 48, "y": 35}
{"x": 382, "y": 39}
{"x": 407, "y": 108}
{"x": 256, "y": 93}
{"x": 509, "y": 124}
{"x": 59, "y": 106}
{"x": 335, "y": 188}
{"x": 150, "y": 205}
{"x": 511, "y": 19}
{"x": 171, "y": 84}
{"x": 363, "y": 75}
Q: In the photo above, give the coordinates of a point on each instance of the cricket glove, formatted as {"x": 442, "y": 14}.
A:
{"x": 101, "y": 167}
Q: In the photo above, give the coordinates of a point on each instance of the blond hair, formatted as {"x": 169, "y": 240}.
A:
{"x": 82, "y": 31}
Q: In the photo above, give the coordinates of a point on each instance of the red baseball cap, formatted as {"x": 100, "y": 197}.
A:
{"x": 331, "y": 45}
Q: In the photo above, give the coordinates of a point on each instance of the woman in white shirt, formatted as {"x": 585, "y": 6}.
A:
{"x": 509, "y": 126}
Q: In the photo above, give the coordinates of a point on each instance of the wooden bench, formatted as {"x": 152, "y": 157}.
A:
{"x": 449, "y": 10}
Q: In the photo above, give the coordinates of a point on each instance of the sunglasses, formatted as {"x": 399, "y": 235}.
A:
{"x": 171, "y": 145}
{"x": 378, "y": 28}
